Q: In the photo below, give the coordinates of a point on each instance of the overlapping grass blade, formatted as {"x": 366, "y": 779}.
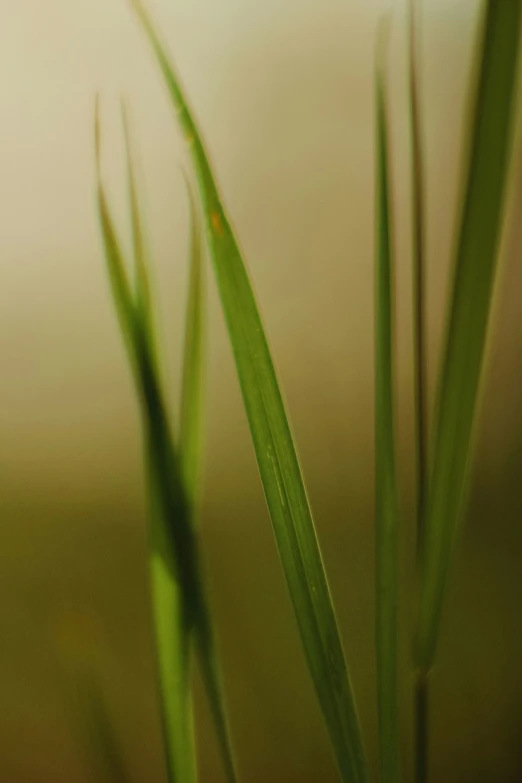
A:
{"x": 386, "y": 500}
{"x": 418, "y": 287}
{"x": 190, "y": 439}
{"x": 476, "y": 258}
{"x": 191, "y": 415}
{"x": 421, "y": 685}
{"x": 179, "y": 602}
{"x": 121, "y": 290}
{"x": 143, "y": 300}
{"x": 173, "y": 643}
{"x": 171, "y": 626}
{"x": 178, "y": 533}
{"x": 276, "y": 455}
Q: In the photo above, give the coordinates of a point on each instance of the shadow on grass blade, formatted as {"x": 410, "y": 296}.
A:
{"x": 276, "y": 456}
{"x": 179, "y": 602}
{"x": 386, "y": 501}
{"x": 476, "y": 260}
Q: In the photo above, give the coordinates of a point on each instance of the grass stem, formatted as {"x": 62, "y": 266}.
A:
{"x": 419, "y": 366}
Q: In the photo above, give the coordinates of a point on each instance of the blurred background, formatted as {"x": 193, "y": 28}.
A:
{"x": 283, "y": 94}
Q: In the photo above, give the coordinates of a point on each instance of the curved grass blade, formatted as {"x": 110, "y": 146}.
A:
{"x": 190, "y": 438}
{"x": 386, "y": 503}
{"x": 191, "y": 415}
{"x": 121, "y": 290}
{"x": 418, "y": 221}
{"x": 171, "y": 632}
{"x": 143, "y": 296}
{"x": 421, "y": 685}
{"x": 476, "y": 259}
{"x": 276, "y": 456}
{"x": 179, "y": 602}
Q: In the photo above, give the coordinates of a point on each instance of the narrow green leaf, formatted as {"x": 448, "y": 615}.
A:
{"x": 212, "y": 680}
{"x": 418, "y": 276}
{"x": 191, "y": 416}
{"x": 179, "y": 601}
{"x": 421, "y": 684}
{"x": 182, "y": 557}
{"x": 121, "y": 291}
{"x": 476, "y": 258}
{"x": 143, "y": 301}
{"x": 276, "y": 456}
{"x": 142, "y": 291}
{"x": 172, "y": 636}
{"x": 386, "y": 504}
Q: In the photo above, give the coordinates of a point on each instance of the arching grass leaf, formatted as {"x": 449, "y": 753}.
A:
{"x": 276, "y": 456}
{"x": 476, "y": 261}
{"x": 386, "y": 502}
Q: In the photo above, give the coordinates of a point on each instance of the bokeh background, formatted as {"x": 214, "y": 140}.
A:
{"x": 283, "y": 93}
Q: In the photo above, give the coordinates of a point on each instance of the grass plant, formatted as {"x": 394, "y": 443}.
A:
{"x": 181, "y": 606}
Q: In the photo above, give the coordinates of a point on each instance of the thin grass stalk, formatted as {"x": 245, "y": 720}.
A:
{"x": 421, "y": 685}
{"x": 475, "y": 266}
{"x": 386, "y": 500}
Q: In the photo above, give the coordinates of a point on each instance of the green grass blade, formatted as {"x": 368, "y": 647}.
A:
{"x": 477, "y": 252}
{"x": 121, "y": 290}
{"x": 192, "y": 387}
{"x": 212, "y": 679}
{"x": 179, "y": 601}
{"x": 173, "y": 637}
{"x": 386, "y": 503}
{"x": 140, "y": 266}
{"x": 276, "y": 456}
{"x": 421, "y": 685}
{"x": 179, "y": 534}
{"x": 167, "y": 599}
{"x": 418, "y": 268}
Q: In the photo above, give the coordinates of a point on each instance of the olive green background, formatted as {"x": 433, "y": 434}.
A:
{"x": 283, "y": 93}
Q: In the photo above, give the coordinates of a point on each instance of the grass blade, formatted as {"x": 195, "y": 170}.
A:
{"x": 191, "y": 415}
{"x": 476, "y": 258}
{"x": 418, "y": 221}
{"x": 180, "y": 535}
{"x": 143, "y": 302}
{"x": 276, "y": 456}
{"x": 170, "y": 624}
{"x": 386, "y": 503}
{"x": 421, "y": 685}
{"x": 121, "y": 290}
{"x": 179, "y": 602}
{"x": 173, "y": 643}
